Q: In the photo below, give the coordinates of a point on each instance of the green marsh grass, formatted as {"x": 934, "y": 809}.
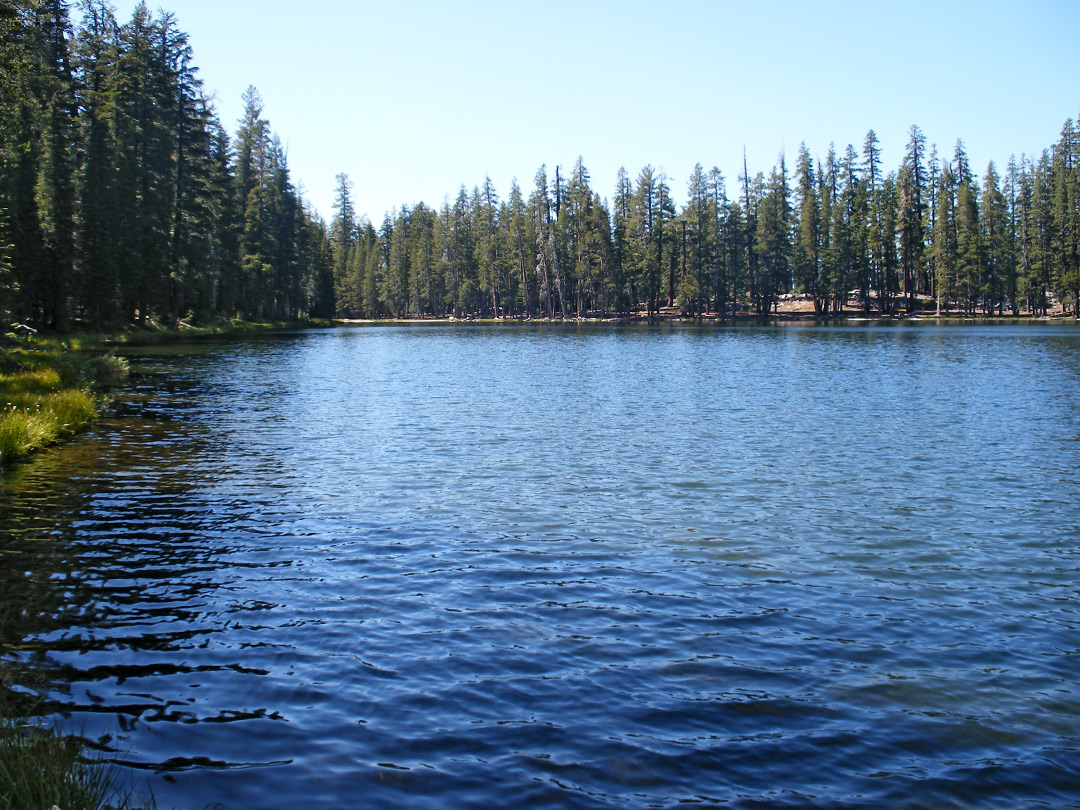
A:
{"x": 40, "y": 769}
{"x": 47, "y": 393}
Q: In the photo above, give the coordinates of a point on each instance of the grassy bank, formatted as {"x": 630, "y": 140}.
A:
{"x": 40, "y": 767}
{"x": 48, "y": 392}
{"x": 51, "y": 388}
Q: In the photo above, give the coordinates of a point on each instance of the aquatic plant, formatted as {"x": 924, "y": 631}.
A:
{"x": 42, "y": 769}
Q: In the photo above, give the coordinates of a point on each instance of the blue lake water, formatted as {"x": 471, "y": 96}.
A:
{"x": 549, "y": 566}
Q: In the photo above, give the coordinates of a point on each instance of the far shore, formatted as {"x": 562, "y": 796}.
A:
{"x": 43, "y": 377}
{"x": 797, "y": 311}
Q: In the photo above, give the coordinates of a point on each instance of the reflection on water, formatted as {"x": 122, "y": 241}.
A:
{"x": 571, "y": 566}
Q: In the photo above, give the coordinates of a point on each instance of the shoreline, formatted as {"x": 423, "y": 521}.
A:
{"x": 809, "y": 319}
{"x": 54, "y": 386}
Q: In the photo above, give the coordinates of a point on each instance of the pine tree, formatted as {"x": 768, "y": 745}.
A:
{"x": 343, "y": 230}
{"x": 1044, "y": 235}
{"x": 144, "y": 175}
{"x": 581, "y": 238}
{"x": 752, "y": 193}
{"x": 600, "y": 254}
{"x": 462, "y": 288}
{"x": 1066, "y": 215}
{"x": 773, "y": 241}
{"x": 930, "y": 229}
{"x": 698, "y": 232}
{"x": 12, "y": 60}
{"x": 873, "y": 273}
{"x": 395, "y": 289}
{"x": 994, "y": 239}
{"x": 288, "y": 279}
{"x": 20, "y": 233}
{"x": 489, "y": 258}
{"x": 98, "y": 238}
{"x": 1011, "y": 257}
{"x": 946, "y": 245}
{"x": 194, "y": 208}
{"x": 255, "y": 191}
{"x": 622, "y": 264}
{"x": 423, "y": 281}
{"x": 888, "y": 255}
{"x": 443, "y": 274}
{"x": 319, "y": 259}
{"x": 808, "y": 244}
{"x": 370, "y": 272}
{"x": 718, "y": 256}
{"x": 540, "y": 206}
{"x": 223, "y": 267}
{"x": 38, "y": 150}
{"x": 557, "y": 246}
{"x": 843, "y": 254}
{"x": 119, "y": 194}
{"x": 666, "y": 238}
{"x": 971, "y": 263}
{"x": 646, "y": 233}
{"x": 826, "y": 196}
{"x": 912, "y": 190}
{"x": 519, "y": 249}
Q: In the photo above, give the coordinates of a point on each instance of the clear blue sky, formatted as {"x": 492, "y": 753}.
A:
{"x": 413, "y": 99}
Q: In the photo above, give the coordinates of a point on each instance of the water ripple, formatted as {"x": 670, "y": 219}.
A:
{"x": 572, "y": 567}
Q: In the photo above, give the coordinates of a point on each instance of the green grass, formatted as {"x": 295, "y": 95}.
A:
{"x": 28, "y": 423}
{"x": 48, "y": 392}
{"x": 40, "y": 769}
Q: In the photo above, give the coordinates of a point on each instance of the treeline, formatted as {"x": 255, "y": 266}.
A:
{"x": 123, "y": 198}
{"x": 842, "y": 230}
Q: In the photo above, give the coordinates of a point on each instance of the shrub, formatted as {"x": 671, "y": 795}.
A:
{"x": 104, "y": 370}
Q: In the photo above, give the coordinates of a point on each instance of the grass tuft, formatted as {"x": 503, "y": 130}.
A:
{"x": 40, "y": 769}
{"x": 29, "y": 422}
{"x": 46, "y": 396}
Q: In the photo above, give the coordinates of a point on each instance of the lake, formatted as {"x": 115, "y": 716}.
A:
{"x": 568, "y": 566}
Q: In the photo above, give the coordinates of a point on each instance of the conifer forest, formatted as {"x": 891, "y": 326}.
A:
{"x": 124, "y": 198}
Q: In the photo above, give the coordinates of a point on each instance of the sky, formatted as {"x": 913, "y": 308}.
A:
{"x": 413, "y": 99}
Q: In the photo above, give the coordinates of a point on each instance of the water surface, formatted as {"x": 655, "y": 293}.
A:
{"x": 569, "y": 567}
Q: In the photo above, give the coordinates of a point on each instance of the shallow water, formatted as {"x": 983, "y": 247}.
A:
{"x": 569, "y": 567}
